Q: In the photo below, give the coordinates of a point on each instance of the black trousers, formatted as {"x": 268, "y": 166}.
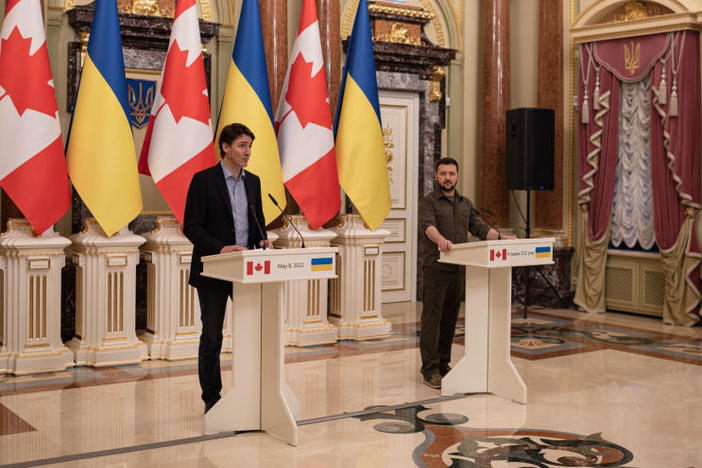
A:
{"x": 213, "y": 305}
{"x": 441, "y": 301}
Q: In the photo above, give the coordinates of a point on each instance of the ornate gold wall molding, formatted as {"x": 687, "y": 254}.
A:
{"x": 164, "y": 8}
{"x": 437, "y": 74}
{"x": 398, "y": 34}
{"x": 431, "y": 12}
{"x": 634, "y": 10}
{"x": 400, "y": 11}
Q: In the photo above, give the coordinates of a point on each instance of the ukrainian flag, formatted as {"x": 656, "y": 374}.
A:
{"x": 322, "y": 264}
{"x": 543, "y": 252}
{"x": 360, "y": 154}
{"x": 101, "y": 158}
{"x": 247, "y": 100}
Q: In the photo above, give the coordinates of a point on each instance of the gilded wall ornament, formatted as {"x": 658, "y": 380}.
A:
{"x": 437, "y": 74}
{"x": 163, "y": 8}
{"x": 389, "y": 144}
{"x": 399, "y": 34}
{"x": 632, "y": 11}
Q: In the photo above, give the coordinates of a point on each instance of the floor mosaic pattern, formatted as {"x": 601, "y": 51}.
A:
{"x": 449, "y": 442}
{"x": 541, "y": 335}
{"x": 604, "y": 390}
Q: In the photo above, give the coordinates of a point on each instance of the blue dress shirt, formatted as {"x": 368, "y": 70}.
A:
{"x": 240, "y": 206}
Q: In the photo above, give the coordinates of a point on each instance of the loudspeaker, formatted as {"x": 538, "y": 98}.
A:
{"x": 529, "y": 145}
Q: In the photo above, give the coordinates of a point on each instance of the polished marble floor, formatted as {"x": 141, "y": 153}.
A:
{"x": 604, "y": 390}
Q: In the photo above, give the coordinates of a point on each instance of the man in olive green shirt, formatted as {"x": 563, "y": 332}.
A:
{"x": 445, "y": 217}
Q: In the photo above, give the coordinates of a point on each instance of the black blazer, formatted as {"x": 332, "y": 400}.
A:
{"x": 209, "y": 224}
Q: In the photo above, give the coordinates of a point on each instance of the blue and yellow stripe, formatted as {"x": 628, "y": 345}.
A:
{"x": 247, "y": 100}
{"x": 100, "y": 155}
{"x": 322, "y": 264}
{"x": 543, "y": 252}
{"x": 360, "y": 152}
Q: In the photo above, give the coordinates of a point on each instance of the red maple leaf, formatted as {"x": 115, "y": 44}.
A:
{"x": 258, "y": 267}
{"x": 307, "y": 94}
{"x": 183, "y": 86}
{"x": 25, "y": 78}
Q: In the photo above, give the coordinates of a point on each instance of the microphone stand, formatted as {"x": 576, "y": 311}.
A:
{"x": 275, "y": 202}
{"x": 258, "y": 225}
{"x": 538, "y": 268}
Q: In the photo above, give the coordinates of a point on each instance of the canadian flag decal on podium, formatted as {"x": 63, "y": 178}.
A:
{"x": 497, "y": 254}
{"x": 258, "y": 268}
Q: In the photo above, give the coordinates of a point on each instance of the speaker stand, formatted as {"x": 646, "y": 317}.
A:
{"x": 538, "y": 268}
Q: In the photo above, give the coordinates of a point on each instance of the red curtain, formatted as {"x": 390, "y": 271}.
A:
{"x": 598, "y": 168}
{"x": 676, "y": 174}
{"x": 676, "y": 143}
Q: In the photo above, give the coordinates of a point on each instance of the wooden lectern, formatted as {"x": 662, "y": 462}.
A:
{"x": 487, "y": 365}
{"x": 259, "y": 398}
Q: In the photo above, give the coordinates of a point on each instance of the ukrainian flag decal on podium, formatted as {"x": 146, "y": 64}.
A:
{"x": 543, "y": 252}
{"x": 322, "y": 264}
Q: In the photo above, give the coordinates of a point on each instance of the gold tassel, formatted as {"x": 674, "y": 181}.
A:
{"x": 596, "y": 97}
{"x": 673, "y": 108}
{"x": 662, "y": 91}
{"x": 586, "y": 111}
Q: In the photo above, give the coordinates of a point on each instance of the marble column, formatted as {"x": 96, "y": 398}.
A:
{"x": 548, "y": 206}
{"x": 329, "y": 32}
{"x": 274, "y": 21}
{"x": 495, "y": 103}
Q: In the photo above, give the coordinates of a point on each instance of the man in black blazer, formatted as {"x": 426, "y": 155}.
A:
{"x": 223, "y": 213}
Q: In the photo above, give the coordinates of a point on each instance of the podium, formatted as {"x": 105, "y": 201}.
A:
{"x": 259, "y": 398}
{"x": 487, "y": 365}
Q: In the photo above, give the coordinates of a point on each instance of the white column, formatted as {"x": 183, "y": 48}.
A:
{"x": 172, "y": 308}
{"x": 356, "y": 292}
{"x": 105, "y": 297}
{"x": 31, "y": 300}
{"x": 305, "y": 301}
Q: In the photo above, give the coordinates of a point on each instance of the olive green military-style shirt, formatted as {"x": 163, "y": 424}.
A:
{"x": 453, "y": 217}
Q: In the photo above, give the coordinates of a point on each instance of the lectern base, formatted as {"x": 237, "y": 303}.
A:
{"x": 259, "y": 398}
{"x": 487, "y": 365}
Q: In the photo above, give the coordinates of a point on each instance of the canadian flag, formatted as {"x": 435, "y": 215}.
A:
{"x": 304, "y": 126}
{"x": 32, "y": 161}
{"x": 255, "y": 268}
{"x": 498, "y": 254}
{"x": 178, "y": 141}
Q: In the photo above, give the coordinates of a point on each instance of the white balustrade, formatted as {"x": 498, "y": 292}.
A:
{"x": 305, "y": 301}
{"x": 356, "y": 292}
{"x": 105, "y": 297}
{"x": 172, "y": 308}
{"x": 30, "y": 288}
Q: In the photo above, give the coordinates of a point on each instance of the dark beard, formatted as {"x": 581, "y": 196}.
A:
{"x": 447, "y": 190}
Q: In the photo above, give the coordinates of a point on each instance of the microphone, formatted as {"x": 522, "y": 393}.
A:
{"x": 490, "y": 213}
{"x": 288, "y": 219}
{"x": 263, "y": 235}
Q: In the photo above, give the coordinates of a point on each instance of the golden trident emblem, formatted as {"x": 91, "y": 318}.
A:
{"x": 632, "y": 57}
{"x": 140, "y": 102}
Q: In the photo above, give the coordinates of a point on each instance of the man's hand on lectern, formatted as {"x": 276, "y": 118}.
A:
{"x": 444, "y": 244}
{"x": 232, "y": 248}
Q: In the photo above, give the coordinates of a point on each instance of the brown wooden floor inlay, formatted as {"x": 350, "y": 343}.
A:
{"x": 10, "y": 423}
